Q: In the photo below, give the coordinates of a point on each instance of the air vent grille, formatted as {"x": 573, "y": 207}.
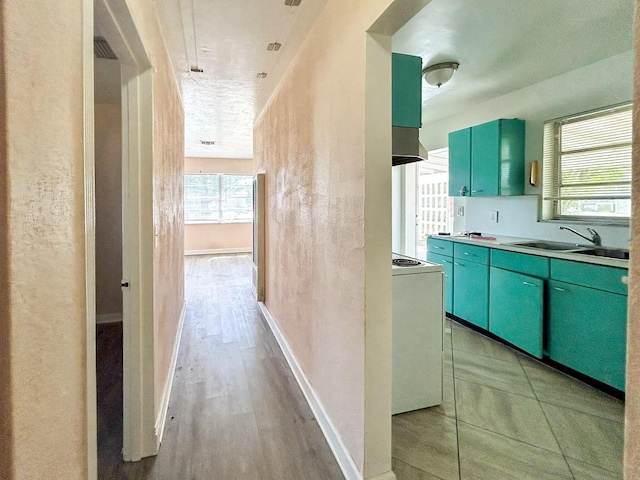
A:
{"x": 101, "y": 49}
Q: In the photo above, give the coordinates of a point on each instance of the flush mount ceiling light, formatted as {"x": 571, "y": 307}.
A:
{"x": 292, "y": 3}
{"x": 274, "y": 47}
{"x": 440, "y": 73}
{"x": 261, "y": 75}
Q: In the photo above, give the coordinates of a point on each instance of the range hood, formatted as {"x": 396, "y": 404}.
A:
{"x": 406, "y": 146}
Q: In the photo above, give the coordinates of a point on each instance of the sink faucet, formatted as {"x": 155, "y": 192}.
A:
{"x": 595, "y": 238}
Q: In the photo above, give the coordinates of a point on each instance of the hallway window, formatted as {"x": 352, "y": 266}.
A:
{"x": 218, "y": 198}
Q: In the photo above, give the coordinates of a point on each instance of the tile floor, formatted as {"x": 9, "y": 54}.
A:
{"x": 507, "y": 416}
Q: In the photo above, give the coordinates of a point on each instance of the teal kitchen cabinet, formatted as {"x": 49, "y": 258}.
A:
{"x": 441, "y": 251}
{"x": 460, "y": 162}
{"x": 406, "y": 88}
{"x": 447, "y": 265}
{"x": 516, "y": 309}
{"x": 587, "y": 325}
{"x": 471, "y": 284}
{"x": 493, "y": 155}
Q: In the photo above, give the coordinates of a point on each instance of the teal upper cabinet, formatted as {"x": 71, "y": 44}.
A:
{"x": 497, "y": 158}
{"x": 460, "y": 162}
{"x": 406, "y": 88}
{"x": 493, "y": 153}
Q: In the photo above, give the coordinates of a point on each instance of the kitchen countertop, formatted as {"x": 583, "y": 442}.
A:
{"x": 504, "y": 243}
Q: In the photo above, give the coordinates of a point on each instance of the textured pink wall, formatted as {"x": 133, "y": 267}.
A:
{"x": 43, "y": 329}
{"x": 632, "y": 420}
{"x": 108, "y": 160}
{"x": 211, "y": 236}
{"x": 310, "y": 142}
{"x": 44, "y": 230}
{"x": 168, "y": 206}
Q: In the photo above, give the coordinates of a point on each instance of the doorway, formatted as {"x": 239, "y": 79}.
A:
{"x": 114, "y": 24}
{"x": 109, "y": 193}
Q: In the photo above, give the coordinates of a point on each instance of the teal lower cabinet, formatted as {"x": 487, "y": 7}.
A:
{"x": 587, "y": 331}
{"x": 447, "y": 264}
{"x": 471, "y": 292}
{"x": 516, "y": 309}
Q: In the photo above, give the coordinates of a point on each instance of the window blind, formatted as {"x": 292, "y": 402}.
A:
{"x": 587, "y": 157}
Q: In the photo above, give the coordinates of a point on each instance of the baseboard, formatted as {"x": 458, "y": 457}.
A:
{"x": 109, "y": 318}
{"x": 166, "y": 394}
{"x": 340, "y": 452}
{"x": 218, "y": 251}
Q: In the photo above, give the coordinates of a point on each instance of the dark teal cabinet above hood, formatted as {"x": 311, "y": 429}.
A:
{"x": 406, "y": 91}
{"x": 406, "y": 112}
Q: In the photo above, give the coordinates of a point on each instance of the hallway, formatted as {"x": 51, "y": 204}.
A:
{"x": 236, "y": 411}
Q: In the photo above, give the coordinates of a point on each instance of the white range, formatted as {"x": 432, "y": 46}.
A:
{"x": 418, "y": 327}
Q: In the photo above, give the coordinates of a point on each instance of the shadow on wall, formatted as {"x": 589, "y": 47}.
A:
{"x": 6, "y": 438}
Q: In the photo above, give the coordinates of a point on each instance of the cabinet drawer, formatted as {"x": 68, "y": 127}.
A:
{"x": 521, "y": 263}
{"x": 601, "y": 277}
{"x": 471, "y": 253}
{"x": 441, "y": 247}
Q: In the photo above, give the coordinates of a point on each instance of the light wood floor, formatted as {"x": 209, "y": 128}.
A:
{"x": 236, "y": 411}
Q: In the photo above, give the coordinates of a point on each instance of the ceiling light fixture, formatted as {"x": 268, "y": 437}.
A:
{"x": 292, "y": 3}
{"x": 440, "y": 73}
{"x": 261, "y": 75}
{"x": 274, "y": 47}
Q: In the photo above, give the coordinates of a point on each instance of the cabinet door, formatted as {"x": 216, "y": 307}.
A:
{"x": 471, "y": 292}
{"x": 516, "y": 308}
{"x": 447, "y": 264}
{"x": 587, "y": 331}
{"x": 460, "y": 162}
{"x": 406, "y": 91}
{"x": 485, "y": 159}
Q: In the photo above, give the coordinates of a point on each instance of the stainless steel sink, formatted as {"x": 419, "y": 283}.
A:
{"x": 606, "y": 252}
{"x": 548, "y": 245}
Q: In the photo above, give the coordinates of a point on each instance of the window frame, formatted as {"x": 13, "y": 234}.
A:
{"x": 220, "y": 199}
{"x": 551, "y": 153}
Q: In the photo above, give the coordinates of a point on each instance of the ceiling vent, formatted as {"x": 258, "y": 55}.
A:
{"x": 207, "y": 142}
{"x": 292, "y": 3}
{"x": 274, "y": 47}
{"x": 101, "y": 49}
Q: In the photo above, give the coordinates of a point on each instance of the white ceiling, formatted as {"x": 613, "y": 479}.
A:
{"x": 506, "y": 45}
{"x": 501, "y": 45}
{"x": 228, "y": 40}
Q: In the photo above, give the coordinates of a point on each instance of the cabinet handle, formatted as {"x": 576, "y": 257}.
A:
{"x": 439, "y": 248}
{"x": 530, "y": 284}
{"x": 469, "y": 254}
{"x": 476, "y": 191}
{"x": 459, "y": 264}
{"x": 560, "y": 289}
{"x": 447, "y": 261}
